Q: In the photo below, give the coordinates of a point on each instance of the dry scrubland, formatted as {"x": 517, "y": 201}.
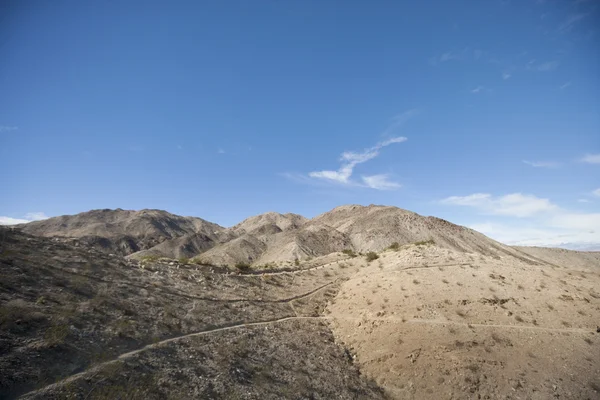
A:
{"x": 453, "y": 316}
{"x": 426, "y": 322}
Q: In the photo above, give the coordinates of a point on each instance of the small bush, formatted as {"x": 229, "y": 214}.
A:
{"x": 297, "y": 262}
{"x": 424, "y": 242}
{"x": 242, "y": 266}
{"x": 349, "y": 252}
{"x": 371, "y": 256}
{"x": 200, "y": 261}
{"x": 394, "y": 246}
{"x": 184, "y": 260}
{"x": 56, "y": 334}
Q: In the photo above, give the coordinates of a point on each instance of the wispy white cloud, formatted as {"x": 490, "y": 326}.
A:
{"x": 5, "y": 128}
{"x": 380, "y": 182}
{"x": 351, "y": 159}
{"x": 583, "y": 201}
{"x": 448, "y": 56}
{"x": 591, "y": 159}
{"x": 531, "y": 221}
{"x": 220, "y": 151}
{"x": 514, "y": 204}
{"x": 546, "y": 66}
{"x": 536, "y": 235}
{"x": 565, "y": 85}
{"x": 12, "y": 221}
{"x": 571, "y": 21}
{"x": 506, "y": 75}
{"x": 542, "y": 164}
{"x": 32, "y": 216}
{"x": 478, "y": 89}
{"x": 596, "y": 192}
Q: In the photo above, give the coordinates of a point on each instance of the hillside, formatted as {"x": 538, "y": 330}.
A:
{"x": 444, "y": 313}
{"x": 123, "y": 231}
{"x": 78, "y": 323}
{"x": 352, "y": 227}
{"x": 270, "y": 238}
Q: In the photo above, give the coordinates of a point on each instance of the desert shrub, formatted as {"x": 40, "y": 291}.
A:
{"x": 394, "y": 246}
{"x": 425, "y": 242}
{"x": 56, "y": 334}
{"x": 200, "y": 261}
{"x": 150, "y": 258}
{"x": 296, "y": 262}
{"x": 242, "y": 266}
{"x": 371, "y": 256}
{"x": 184, "y": 260}
{"x": 349, "y": 252}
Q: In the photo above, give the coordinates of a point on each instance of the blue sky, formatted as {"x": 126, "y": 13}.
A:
{"x": 485, "y": 113}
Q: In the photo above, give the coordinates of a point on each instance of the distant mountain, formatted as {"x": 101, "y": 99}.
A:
{"x": 124, "y": 231}
{"x": 355, "y": 227}
{"x": 265, "y": 238}
{"x": 270, "y": 222}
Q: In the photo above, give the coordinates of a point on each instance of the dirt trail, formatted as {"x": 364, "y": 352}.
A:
{"x": 221, "y": 328}
{"x": 98, "y": 367}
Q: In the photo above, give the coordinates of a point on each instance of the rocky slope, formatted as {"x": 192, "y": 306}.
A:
{"x": 77, "y": 323}
{"x": 352, "y": 227}
{"x": 125, "y": 231}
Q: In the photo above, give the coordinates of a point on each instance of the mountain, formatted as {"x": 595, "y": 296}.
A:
{"x": 262, "y": 239}
{"x": 124, "y": 231}
{"x": 270, "y": 222}
{"x": 352, "y": 227}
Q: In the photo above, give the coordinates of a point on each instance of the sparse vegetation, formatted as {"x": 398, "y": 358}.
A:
{"x": 150, "y": 258}
{"x": 243, "y": 266}
{"x": 56, "y": 334}
{"x": 183, "y": 260}
{"x": 349, "y": 252}
{"x": 425, "y": 242}
{"x": 394, "y": 246}
{"x": 372, "y": 256}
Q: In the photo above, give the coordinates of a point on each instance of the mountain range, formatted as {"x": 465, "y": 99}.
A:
{"x": 270, "y": 238}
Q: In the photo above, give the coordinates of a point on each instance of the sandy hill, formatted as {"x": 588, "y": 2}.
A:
{"x": 428, "y": 322}
{"x": 353, "y": 227}
{"x": 578, "y": 259}
{"x": 123, "y": 231}
{"x": 270, "y": 222}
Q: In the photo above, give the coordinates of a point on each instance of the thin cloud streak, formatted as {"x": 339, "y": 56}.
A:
{"x": 542, "y": 164}
{"x": 29, "y": 217}
{"x": 591, "y": 159}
